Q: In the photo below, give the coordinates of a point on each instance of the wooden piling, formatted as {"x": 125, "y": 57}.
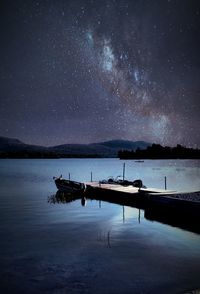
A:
{"x": 123, "y": 171}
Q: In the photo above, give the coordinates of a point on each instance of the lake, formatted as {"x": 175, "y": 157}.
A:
{"x": 50, "y": 247}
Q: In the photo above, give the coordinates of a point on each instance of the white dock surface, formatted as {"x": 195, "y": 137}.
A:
{"x": 125, "y": 189}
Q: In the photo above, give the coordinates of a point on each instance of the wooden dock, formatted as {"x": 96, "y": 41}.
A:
{"x": 124, "y": 195}
{"x": 166, "y": 206}
{"x": 145, "y": 197}
{"x": 124, "y": 189}
{"x": 188, "y": 201}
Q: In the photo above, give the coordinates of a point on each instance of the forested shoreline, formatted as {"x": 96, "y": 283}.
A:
{"x": 157, "y": 151}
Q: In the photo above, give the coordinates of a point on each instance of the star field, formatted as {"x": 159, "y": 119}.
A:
{"x": 87, "y": 71}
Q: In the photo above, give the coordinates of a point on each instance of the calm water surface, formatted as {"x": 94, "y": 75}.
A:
{"x": 101, "y": 247}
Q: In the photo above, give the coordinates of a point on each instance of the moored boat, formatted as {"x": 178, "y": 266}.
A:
{"x": 68, "y": 186}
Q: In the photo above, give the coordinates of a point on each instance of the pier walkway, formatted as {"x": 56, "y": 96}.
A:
{"x": 125, "y": 189}
{"x": 146, "y": 197}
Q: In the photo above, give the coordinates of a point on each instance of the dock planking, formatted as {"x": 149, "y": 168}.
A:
{"x": 172, "y": 201}
{"x": 111, "y": 187}
{"x": 125, "y": 189}
{"x": 125, "y": 195}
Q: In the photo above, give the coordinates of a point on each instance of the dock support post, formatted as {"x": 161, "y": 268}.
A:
{"x": 165, "y": 183}
{"x": 91, "y": 176}
{"x": 123, "y": 171}
{"x": 69, "y": 176}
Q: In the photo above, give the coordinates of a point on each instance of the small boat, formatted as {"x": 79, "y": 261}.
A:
{"x": 68, "y": 186}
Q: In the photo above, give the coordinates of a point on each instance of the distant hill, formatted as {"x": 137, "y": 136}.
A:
{"x": 81, "y": 150}
{"x": 8, "y": 142}
{"x": 14, "y": 148}
{"x": 11, "y": 144}
{"x": 124, "y": 144}
{"x": 101, "y": 149}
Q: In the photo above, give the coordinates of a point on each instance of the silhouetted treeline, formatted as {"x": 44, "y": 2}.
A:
{"x": 157, "y": 151}
{"x": 37, "y": 154}
{"x": 27, "y": 154}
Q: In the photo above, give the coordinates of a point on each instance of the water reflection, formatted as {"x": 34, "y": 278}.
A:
{"x": 166, "y": 215}
{"x": 186, "y": 221}
{"x": 61, "y": 197}
{"x": 83, "y": 201}
{"x": 105, "y": 237}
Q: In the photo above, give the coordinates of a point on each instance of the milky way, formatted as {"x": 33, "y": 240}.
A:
{"x": 87, "y": 71}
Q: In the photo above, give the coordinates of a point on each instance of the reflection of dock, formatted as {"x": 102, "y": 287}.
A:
{"x": 176, "y": 215}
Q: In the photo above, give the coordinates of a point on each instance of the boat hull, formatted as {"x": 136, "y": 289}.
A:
{"x": 69, "y": 186}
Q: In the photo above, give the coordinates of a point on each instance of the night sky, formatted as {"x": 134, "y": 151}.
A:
{"x": 95, "y": 70}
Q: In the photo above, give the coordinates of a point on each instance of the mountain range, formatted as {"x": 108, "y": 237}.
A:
{"x": 14, "y": 148}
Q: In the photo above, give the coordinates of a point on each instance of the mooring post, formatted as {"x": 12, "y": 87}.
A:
{"x": 165, "y": 183}
{"x": 91, "y": 176}
{"x": 123, "y": 171}
{"x": 69, "y": 176}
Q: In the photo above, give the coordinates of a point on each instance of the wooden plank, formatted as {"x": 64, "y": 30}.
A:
{"x": 156, "y": 190}
{"x": 112, "y": 187}
{"x": 125, "y": 189}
